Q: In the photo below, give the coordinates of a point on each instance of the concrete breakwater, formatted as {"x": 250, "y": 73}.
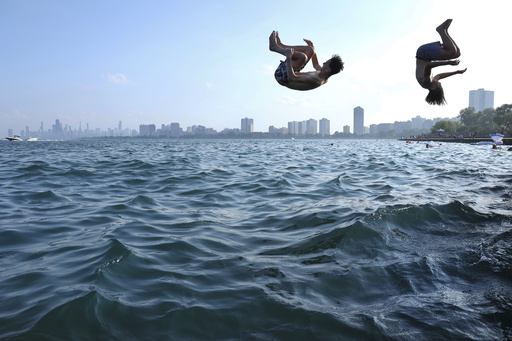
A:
{"x": 506, "y": 141}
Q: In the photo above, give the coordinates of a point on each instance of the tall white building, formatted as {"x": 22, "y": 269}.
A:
{"x": 325, "y": 127}
{"x": 311, "y": 127}
{"x": 302, "y": 127}
{"x": 481, "y": 99}
{"x": 247, "y": 125}
{"x": 293, "y": 128}
{"x": 358, "y": 120}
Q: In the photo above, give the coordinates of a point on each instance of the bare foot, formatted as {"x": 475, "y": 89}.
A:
{"x": 444, "y": 26}
{"x": 272, "y": 41}
{"x": 278, "y": 40}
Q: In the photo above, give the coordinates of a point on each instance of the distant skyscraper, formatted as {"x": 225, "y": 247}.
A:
{"x": 176, "y": 129}
{"x": 346, "y": 129}
{"x": 302, "y": 127}
{"x": 325, "y": 127}
{"x": 311, "y": 127}
{"x": 293, "y": 128}
{"x": 481, "y": 99}
{"x": 57, "y": 128}
{"x": 247, "y": 125}
{"x": 358, "y": 120}
{"x": 147, "y": 129}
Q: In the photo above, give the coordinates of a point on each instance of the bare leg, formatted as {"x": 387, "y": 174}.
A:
{"x": 307, "y": 50}
{"x": 301, "y": 54}
{"x": 449, "y": 49}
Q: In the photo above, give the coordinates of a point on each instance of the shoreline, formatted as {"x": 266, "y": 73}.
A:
{"x": 506, "y": 141}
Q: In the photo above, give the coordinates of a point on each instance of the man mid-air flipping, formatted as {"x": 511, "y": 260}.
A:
{"x": 288, "y": 73}
{"x": 433, "y": 55}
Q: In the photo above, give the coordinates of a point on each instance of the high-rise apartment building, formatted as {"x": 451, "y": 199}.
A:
{"x": 481, "y": 99}
{"x": 358, "y": 120}
{"x": 325, "y": 127}
{"x": 311, "y": 127}
{"x": 302, "y": 128}
{"x": 247, "y": 125}
{"x": 346, "y": 129}
{"x": 293, "y": 128}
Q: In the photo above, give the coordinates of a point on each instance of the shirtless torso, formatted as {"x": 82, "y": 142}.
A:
{"x": 423, "y": 78}
{"x": 296, "y": 59}
{"x": 305, "y": 80}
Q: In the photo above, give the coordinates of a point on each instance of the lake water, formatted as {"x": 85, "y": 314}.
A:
{"x": 254, "y": 240}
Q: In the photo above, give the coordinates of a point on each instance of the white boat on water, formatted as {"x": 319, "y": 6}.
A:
{"x": 32, "y": 139}
{"x": 15, "y": 138}
{"x": 497, "y": 139}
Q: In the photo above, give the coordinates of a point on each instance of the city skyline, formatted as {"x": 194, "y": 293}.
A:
{"x": 148, "y": 63}
{"x": 305, "y": 127}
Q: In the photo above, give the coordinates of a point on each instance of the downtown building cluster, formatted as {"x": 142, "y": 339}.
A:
{"x": 60, "y": 131}
{"x": 478, "y": 99}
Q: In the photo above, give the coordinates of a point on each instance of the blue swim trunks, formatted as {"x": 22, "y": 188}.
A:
{"x": 430, "y": 51}
{"x": 281, "y": 73}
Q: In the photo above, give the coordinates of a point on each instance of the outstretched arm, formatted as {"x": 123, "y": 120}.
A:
{"x": 431, "y": 65}
{"x": 448, "y": 74}
{"x": 314, "y": 58}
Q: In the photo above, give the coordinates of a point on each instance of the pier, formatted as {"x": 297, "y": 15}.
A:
{"x": 507, "y": 141}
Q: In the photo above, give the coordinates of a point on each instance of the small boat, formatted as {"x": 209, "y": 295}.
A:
{"x": 32, "y": 139}
{"x": 15, "y": 138}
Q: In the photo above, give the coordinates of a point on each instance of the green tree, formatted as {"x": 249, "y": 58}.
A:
{"x": 486, "y": 119}
{"x": 468, "y": 117}
{"x": 503, "y": 115}
{"x": 447, "y": 126}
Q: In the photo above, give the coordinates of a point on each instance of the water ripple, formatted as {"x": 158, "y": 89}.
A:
{"x": 297, "y": 239}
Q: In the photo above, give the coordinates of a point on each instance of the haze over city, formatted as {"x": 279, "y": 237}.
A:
{"x": 208, "y": 64}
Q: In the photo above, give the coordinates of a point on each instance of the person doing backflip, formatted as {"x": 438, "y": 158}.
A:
{"x": 288, "y": 73}
{"x": 433, "y": 55}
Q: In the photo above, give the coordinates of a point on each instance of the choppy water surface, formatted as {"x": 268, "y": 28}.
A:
{"x": 254, "y": 240}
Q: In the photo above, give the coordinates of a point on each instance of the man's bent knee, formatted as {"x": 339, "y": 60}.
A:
{"x": 299, "y": 59}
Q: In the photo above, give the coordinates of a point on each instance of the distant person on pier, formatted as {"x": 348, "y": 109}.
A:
{"x": 433, "y": 55}
{"x": 288, "y": 73}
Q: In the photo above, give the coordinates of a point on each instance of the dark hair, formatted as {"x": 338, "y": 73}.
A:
{"x": 436, "y": 96}
{"x": 335, "y": 64}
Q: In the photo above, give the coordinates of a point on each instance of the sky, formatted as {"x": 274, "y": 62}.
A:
{"x": 208, "y": 63}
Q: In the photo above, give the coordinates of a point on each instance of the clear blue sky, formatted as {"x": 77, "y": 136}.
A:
{"x": 208, "y": 63}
